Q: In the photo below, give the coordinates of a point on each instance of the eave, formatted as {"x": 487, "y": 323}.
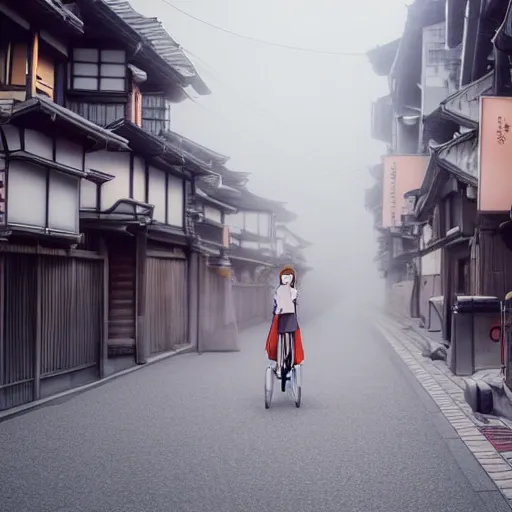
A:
{"x": 303, "y": 244}
{"x": 44, "y": 115}
{"x": 168, "y": 234}
{"x": 251, "y": 256}
{"x": 206, "y": 199}
{"x": 153, "y": 46}
{"x": 382, "y": 57}
{"x": 438, "y": 171}
{"x": 156, "y": 148}
{"x": 188, "y": 146}
{"x": 452, "y": 109}
{"x": 50, "y": 12}
{"x": 441, "y": 152}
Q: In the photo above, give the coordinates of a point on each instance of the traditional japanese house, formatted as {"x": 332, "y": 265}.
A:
{"x": 216, "y": 321}
{"x": 51, "y": 290}
{"x": 290, "y": 249}
{"x": 140, "y": 217}
{"x": 125, "y": 73}
{"x": 51, "y": 293}
{"x": 254, "y": 253}
{"x": 79, "y": 287}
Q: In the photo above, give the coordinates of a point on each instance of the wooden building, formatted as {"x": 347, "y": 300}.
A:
{"x": 460, "y": 218}
{"x": 114, "y": 239}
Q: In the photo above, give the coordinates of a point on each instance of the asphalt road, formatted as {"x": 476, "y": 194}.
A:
{"x": 191, "y": 434}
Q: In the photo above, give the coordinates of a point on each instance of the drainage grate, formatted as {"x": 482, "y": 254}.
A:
{"x": 499, "y": 437}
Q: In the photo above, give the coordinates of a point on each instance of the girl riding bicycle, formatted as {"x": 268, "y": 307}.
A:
{"x": 285, "y": 328}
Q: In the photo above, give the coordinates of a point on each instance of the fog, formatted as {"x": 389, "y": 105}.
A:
{"x": 298, "y": 121}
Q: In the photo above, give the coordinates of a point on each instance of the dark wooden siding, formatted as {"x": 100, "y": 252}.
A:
{"x": 60, "y": 336}
{"x": 71, "y": 314}
{"x": 18, "y": 344}
{"x": 98, "y": 113}
{"x": 494, "y": 263}
{"x": 166, "y": 322}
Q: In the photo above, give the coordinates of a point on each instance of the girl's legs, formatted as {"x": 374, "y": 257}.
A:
{"x": 280, "y": 354}
{"x": 289, "y": 358}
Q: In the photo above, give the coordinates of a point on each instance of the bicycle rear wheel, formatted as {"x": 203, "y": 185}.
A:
{"x": 269, "y": 387}
{"x": 296, "y": 385}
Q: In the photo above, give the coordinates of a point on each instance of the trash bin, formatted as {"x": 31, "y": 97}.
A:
{"x": 471, "y": 347}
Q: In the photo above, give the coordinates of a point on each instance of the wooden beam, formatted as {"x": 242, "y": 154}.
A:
{"x": 140, "y": 294}
{"x": 32, "y": 59}
{"x": 38, "y": 337}
{"x": 103, "y": 356}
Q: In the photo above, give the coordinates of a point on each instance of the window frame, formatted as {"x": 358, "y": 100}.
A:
{"x": 165, "y": 122}
{"x": 98, "y": 77}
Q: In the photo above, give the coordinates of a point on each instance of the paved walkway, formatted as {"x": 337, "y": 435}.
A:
{"x": 191, "y": 434}
{"x": 447, "y": 390}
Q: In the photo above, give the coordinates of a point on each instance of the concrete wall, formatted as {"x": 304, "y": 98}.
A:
{"x": 399, "y": 297}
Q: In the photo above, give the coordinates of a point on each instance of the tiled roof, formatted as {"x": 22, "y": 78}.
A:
{"x": 193, "y": 147}
{"x": 153, "y": 33}
{"x": 56, "y": 7}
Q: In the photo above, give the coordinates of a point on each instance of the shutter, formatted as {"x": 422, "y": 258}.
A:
{"x": 166, "y": 322}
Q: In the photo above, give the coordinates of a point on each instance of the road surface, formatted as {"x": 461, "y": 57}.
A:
{"x": 191, "y": 434}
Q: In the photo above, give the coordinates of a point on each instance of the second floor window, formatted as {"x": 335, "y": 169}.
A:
{"x": 156, "y": 114}
{"x": 98, "y": 70}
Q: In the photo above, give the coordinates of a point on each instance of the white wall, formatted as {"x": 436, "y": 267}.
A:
{"x": 26, "y": 192}
{"x": 176, "y": 201}
{"x": 431, "y": 263}
{"x": 63, "y": 203}
{"x": 157, "y": 193}
{"x": 117, "y": 164}
{"x": 69, "y": 153}
{"x": 213, "y": 214}
{"x": 139, "y": 179}
{"x": 39, "y": 144}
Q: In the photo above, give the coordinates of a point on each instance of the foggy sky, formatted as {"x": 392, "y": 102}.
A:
{"x": 298, "y": 122}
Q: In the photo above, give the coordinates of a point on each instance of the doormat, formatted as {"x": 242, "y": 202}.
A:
{"x": 499, "y": 437}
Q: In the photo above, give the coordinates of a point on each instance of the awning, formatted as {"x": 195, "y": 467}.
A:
{"x": 46, "y": 116}
{"x": 463, "y": 106}
{"x": 459, "y": 158}
{"x": 157, "y": 148}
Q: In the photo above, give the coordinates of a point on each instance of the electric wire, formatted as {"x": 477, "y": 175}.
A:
{"x": 262, "y": 41}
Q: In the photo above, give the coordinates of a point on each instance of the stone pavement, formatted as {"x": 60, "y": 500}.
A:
{"x": 191, "y": 434}
{"x": 447, "y": 390}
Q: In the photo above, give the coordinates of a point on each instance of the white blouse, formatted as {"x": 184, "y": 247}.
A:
{"x": 284, "y": 297}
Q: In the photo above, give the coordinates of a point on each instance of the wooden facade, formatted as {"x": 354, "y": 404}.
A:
{"x": 461, "y": 213}
{"x": 114, "y": 239}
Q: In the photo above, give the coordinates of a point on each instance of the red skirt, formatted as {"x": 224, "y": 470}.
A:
{"x": 272, "y": 342}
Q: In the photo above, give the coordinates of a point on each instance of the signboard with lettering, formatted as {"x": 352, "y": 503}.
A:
{"x": 402, "y": 173}
{"x": 495, "y": 155}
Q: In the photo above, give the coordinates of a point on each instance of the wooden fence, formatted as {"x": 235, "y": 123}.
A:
{"x": 253, "y": 304}
{"x": 51, "y": 323}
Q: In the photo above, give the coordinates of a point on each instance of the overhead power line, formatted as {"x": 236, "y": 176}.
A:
{"x": 261, "y": 41}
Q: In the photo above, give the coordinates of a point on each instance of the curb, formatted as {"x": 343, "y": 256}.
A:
{"x": 450, "y": 399}
{"x": 25, "y": 408}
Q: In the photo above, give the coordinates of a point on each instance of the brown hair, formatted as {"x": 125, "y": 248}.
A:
{"x": 288, "y": 270}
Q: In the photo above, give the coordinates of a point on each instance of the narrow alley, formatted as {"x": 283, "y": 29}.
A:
{"x": 191, "y": 434}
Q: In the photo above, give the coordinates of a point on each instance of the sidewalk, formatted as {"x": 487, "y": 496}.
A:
{"x": 447, "y": 390}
